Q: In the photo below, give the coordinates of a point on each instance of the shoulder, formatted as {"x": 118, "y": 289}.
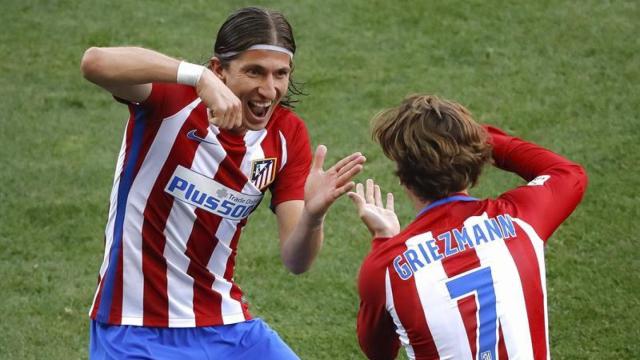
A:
{"x": 287, "y": 121}
{"x": 166, "y": 99}
{"x": 175, "y": 93}
{"x": 376, "y": 264}
{"x": 512, "y": 205}
{"x": 371, "y": 278}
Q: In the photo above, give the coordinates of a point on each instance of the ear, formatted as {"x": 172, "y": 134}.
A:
{"x": 216, "y": 67}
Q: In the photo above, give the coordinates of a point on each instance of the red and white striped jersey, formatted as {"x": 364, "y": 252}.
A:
{"x": 182, "y": 192}
{"x": 466, "y": 279}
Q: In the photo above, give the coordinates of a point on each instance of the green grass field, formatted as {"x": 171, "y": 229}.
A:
{"x": 565, "y": 74}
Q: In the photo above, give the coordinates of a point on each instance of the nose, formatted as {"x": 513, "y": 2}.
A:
{"x": 268, "y": 88}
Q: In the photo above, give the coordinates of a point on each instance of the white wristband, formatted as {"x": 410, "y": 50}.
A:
{"x": 189, "y": 74}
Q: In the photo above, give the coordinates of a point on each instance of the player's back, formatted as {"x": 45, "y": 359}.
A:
{"x": 465, "y": 280}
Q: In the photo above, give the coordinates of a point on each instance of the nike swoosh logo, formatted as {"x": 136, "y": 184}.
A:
{"x": 191, "y": 135}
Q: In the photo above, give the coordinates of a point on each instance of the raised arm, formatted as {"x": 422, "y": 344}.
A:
{"x": 556, "y": 185}
{"x": 301, "y": 223}
{"x": 128, "y": 73}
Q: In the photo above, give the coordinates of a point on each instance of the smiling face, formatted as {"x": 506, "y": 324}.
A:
{"x": 260, "y": 79}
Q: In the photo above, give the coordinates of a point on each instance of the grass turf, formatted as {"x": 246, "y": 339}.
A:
{"x": 563, "y": 74}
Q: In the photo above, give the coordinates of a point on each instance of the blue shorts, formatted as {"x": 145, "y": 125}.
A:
{"x": 251, "y": 339}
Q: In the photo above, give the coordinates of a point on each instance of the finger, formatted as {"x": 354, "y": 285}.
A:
{"x": 344, "y": 178}
{"x": 357, "y": 156}
{"x": 227, "y": 118}
{"x": 222, "y": 116}
{"x": 211, "y": 116}
{"x": 232, "y": 113}
{"x": 390, "y": 202}
{"x": 377, "y": 196}
{"x": 357, "y": 200}
{"x": 318, "y": 158}
{"x": 348, "y": 166}
{"x": 368, "y": 193}
{"x": 233, "y": 120}
{"x": 237, "y": 113}
{"x": 342, "y": 190}
{"x": 360, "y": 190}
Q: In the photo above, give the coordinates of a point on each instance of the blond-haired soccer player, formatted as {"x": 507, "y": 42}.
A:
{"x": 466, "y": 278}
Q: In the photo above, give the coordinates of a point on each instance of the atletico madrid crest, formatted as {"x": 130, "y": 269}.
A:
{"x": 263, "y": 172}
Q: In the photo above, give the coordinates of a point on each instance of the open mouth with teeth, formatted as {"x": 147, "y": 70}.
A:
{"x": 259, "y": 109}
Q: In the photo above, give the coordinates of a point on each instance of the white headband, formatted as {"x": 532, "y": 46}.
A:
{"x": 259, "y": 47}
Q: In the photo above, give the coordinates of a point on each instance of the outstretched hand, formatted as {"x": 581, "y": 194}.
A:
{"x": 322, "y": 187}
{"x": 380, "y": 220}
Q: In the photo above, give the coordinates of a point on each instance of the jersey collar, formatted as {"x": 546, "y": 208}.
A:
{"x": 455, "y": 197}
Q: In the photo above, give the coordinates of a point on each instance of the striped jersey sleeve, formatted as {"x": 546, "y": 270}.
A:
{"x": 555, "y": 185}
{"x": 295, "y": 165}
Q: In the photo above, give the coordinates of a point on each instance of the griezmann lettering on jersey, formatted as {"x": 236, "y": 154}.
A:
{"x": 182, "y": 192}
{"x": 466, "y": 279}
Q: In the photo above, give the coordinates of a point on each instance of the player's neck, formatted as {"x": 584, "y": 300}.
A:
{"x": 419, "y": 204}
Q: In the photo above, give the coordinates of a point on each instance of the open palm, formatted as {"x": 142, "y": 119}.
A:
{"x": 380, "y": 220}
{"x": 323, "y": 187}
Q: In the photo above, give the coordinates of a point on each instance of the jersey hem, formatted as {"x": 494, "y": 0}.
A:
{"x": 178, "y": 323}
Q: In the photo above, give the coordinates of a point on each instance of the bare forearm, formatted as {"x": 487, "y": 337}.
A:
{"x": 303, "y": 244}
{"x": 125, "y": 66}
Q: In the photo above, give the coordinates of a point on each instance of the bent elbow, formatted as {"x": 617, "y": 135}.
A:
{"x": 582, "y": 178}
{"x": 296, "y": 269}
{"x": 90, "y": 63}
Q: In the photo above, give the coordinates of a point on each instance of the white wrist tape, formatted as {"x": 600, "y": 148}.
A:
{"x": 189, "y": 74}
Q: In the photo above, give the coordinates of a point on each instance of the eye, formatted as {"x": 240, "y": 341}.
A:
{"x": 282, "y": 74}
{"x": 253, "y": 72}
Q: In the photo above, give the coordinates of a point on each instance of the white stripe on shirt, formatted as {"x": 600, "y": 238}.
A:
{"x": 400, "y": 329}
{"x": 511, "y": 309}
{"x": 440, "y": 312}
{"x": 133, "y": 280}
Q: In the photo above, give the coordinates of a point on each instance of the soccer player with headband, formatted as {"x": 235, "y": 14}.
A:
{"x": 201, "y": 147}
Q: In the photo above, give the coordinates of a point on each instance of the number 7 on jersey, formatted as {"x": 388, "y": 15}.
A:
{"x": 481, "y": 282}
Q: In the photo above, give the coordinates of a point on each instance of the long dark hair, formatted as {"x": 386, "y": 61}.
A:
{"x": 252, "y": 26}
